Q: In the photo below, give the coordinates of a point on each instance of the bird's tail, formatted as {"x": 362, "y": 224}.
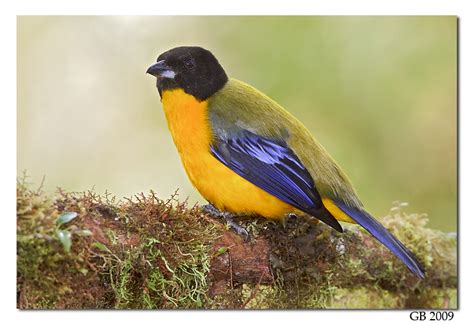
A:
{"x": 385, "y": 237}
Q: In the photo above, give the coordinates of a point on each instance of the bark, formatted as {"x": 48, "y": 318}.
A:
{"x": 145, "y": 252}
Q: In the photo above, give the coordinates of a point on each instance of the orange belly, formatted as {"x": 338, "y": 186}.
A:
{"x": 189, "y": 125}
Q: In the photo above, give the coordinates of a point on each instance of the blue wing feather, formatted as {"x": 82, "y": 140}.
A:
{"x": 274, "y": 167}
{"x": 384, "y": 236}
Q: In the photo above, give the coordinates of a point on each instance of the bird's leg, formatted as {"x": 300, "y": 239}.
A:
{"x": 216, "y": 213}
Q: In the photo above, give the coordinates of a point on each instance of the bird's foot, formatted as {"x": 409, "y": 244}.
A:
{"x": 216, "y": 213}
{"x": 289, "y": 218}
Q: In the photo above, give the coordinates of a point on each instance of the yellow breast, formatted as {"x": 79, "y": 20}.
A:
{"x": 189, "y": 125}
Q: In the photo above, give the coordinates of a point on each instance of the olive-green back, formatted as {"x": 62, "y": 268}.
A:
{"x": 239, "y": 106}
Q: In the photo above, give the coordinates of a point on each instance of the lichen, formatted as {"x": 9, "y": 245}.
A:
{"x": 142, "y": 253}
{"x": 147, "y": 253}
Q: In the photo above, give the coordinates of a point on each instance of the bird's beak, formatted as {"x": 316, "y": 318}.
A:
{"x": 161, "y": 70}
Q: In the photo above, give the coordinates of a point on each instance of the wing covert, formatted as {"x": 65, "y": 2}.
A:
{"x": 272, "y": 166}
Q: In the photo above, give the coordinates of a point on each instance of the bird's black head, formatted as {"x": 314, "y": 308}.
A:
{"x": 191, "y": 68}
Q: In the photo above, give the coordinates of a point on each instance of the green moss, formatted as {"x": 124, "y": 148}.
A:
{"x": 360, "y": 298}
{"x": 148, "y": 253}
{"x": 142, "y": 253}
{"x": 259, "y": 297}
{"x": 318, "y": 268}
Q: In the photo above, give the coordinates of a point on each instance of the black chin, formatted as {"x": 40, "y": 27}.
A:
{"x": 165, "y": 84}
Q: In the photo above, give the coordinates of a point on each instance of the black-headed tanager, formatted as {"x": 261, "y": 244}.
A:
{"x": 247, "y": 155}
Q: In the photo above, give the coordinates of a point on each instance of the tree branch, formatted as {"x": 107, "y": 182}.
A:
{"x": 145, "y": 252}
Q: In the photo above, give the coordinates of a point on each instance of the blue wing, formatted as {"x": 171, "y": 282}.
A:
{"x": 274, "y": 167}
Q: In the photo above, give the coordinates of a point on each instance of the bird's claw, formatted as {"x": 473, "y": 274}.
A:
{"x": 216, "y": 213}
{"x": 290, "y": 217}
{"x": 240, "y": 230}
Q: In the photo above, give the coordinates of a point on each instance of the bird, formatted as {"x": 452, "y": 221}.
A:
{"x": 247, "y": 155}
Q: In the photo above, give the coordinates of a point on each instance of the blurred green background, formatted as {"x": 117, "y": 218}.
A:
{"x": 379, "y": 93}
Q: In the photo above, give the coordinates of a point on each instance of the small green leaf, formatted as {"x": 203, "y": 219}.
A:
{"x": 198, "y": 301}
{"x": 66, "y": 217}
{"x": 83, "y": 271}
{"x": 100, "y": 246}
{"x": 221, "y": 250}
{"x": 65, "y": 239}
{"x": 85, "y": 232}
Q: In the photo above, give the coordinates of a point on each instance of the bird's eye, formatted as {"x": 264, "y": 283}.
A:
{"x": 189, "y": 64}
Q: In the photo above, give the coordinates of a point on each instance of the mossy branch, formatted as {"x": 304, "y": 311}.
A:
{"x": 146, "y": 252}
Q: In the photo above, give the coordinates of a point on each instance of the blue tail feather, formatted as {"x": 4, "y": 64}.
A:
{"x": 385, "y": 237}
